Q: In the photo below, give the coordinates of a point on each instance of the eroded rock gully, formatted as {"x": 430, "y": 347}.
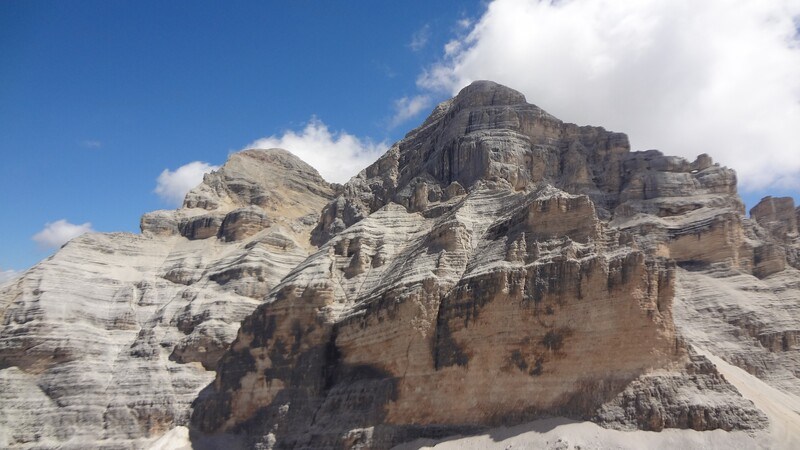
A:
{"x": 495, "y": 266}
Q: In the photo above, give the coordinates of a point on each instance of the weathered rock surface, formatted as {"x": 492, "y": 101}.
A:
{"x": 777, "y": 234}
{"x": 494, "y": 267}
{"x": 495, "y": 318}
{"x": 107, "y": 343}
{"x": 752, "y": 323}
{"x": 698, "y": 398}
{"x": 778, "y": 215}
{"x": 489, "y": 132}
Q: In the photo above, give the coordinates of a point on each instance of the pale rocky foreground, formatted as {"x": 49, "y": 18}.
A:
{"x": 493, "y": 270}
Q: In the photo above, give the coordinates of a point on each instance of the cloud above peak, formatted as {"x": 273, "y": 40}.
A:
{"x": 337, "y": 155}
{"x": 406, "y": 108}
{"x": 686, "y": 77}
{"x": 55, "y": 234}
{"x": 172, "y": 186}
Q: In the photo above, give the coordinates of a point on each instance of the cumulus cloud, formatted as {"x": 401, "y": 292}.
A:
{"x": 420, "y": 38}
{"x": 172, "y": 186}
{"x": 55, "y": 234}
{"x": 337, "y": 155}
{"x": 686, "y": 77}
{"x": 8, "y": 275}
{"x": 407, "y": 107}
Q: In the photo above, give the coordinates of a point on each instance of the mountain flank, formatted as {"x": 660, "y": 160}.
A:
{"x": 495, "y": 267}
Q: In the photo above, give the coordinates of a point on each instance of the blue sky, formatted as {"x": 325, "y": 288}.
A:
{"x": 98, "y": 98}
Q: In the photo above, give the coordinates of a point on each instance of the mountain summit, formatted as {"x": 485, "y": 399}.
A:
{"x": 495, "y": 267}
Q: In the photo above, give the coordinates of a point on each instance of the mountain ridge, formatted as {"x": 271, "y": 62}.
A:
{"x": 495, "y": 266}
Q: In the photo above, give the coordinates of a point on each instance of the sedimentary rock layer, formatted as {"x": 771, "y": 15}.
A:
{"x": 109, "y": 341}
{"x": 495, "y": 266}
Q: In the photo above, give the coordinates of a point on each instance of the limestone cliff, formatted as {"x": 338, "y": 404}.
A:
{"x": 495, "y": 266}
{"x": 108, "y": 342}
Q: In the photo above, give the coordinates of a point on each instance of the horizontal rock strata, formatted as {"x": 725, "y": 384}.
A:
{"x": 495, "y": 266}
{"x": 108, "y": 342}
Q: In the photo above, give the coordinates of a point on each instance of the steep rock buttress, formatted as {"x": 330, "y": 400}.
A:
{"x": 495, "y": 266}
{"x": 108, "y": 342}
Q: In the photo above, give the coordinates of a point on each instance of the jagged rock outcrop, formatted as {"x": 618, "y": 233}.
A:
{"x": 777, "y": 235}
{"x": 495, "y": 266}
{"x": 493, "y": 318}
{"x": 778, "y": 215}
{"x": 482, "y": 272}
{"x": 697, "y": 398}
{"x": 107, "y": 343}
{"x": 489, "y": 132}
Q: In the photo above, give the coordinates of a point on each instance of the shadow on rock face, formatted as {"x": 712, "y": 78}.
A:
{"x": 324, "y": 404}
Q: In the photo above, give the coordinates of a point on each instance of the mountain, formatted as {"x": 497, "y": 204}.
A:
{"x": 107, "y": 343}
{"x": 496, "y": 267}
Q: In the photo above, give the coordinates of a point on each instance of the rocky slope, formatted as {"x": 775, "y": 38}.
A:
{"x": 494, "y": 267}
{"x": 107, "y": 343}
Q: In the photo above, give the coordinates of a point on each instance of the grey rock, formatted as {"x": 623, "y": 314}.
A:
{"x": 108, "y": 342}
{"x": 243, "y": 222}
{"x": 495, "y": 266}
{"x": 696, "y": 398}
{"x": 203, "y": 226}
{"x": 489, "y": 132}
{"x": 428, "y": 254}
{"x": 778, "y": 215}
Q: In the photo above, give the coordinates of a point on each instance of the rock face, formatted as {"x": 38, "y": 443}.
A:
{"x": 698, "y": 398}
{"x": 777, "y": 231}
{"x": 495, "y": 266}
{"x": 107, "y": 343}
{"x": 488, "y": 132}
{"x": 495, "y": 318}
{"x": 778, "y": 215}
{"x": 751, "y": 319}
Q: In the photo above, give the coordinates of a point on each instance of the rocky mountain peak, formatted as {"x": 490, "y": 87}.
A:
{"x": 111, "y": 339}
{"x": 488, "y": 133}
{"x": 250, "y": 188}
{"x": 487, "y": 93}
{"x": 266, "y": 178}
{"x": 497, "y": 257}
{"x": 495, "y": 266}
{"x": 277, "y": 162}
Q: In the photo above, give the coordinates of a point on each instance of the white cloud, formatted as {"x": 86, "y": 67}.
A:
{"x": 407, "y": 107}
{"x": 172, "y": 186}
{"x": 420, "y": 38}
{"x": 687, "y": 77}
{"x": 8, "y": 275}
{"x": 336, "y": 155}
{"x": 92, "y": 143}
{"x": 55, "y": 234}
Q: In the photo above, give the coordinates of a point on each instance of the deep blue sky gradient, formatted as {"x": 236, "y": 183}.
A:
{"x": 160, "y": 84}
